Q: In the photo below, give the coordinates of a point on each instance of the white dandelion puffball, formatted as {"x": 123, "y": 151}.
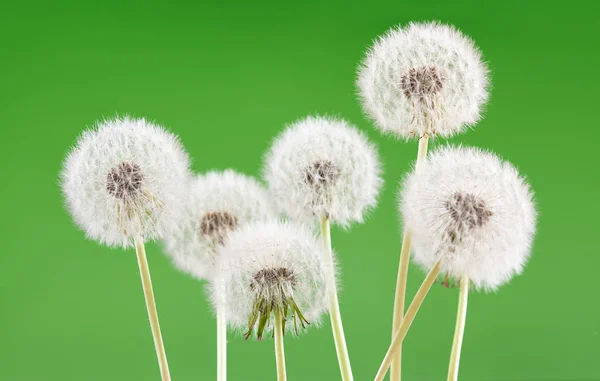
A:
{"x": 272, "y": 267}
{"x": 124, "y": 179}
{"x": 322, "y": 167}
{"x": 474, "y": 211}
{"x": 217, "y": 203}
{"x": 423, "y": 79}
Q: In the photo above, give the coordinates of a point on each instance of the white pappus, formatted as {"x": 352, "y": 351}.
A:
{"x": 323, "y": 167}
{"x": 124, "y": 179}
{"x": 424, "y": 79}
{"x": 272, "y": 267}
{"x": 474, "y": 211}
{"x": 216, "y": 204}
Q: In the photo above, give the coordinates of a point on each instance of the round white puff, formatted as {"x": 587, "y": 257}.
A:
{"x": 125, "y": 179}
{"x": 216, "y": 204}
{"x": 472, "y": 209}
{"x": 271, "y": 245}
{"x": 323, "y": 167}
{"x": 423, "y": 79}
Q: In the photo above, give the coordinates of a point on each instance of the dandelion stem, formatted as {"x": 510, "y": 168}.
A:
{"x": 279, "y": 351}
{"x": 151, "y": 307}
{"x": 408, "y": 319}
{"x": 459, "y": 331}
{"x": 395, "y": 371}
{"x": 400, "y": 298}
{"x": 422, "y": 152}
{"x": 221, "y": 345}
{"x": 334, "y": 310}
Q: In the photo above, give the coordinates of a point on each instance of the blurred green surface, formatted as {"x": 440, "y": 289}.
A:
{"x": 226, "y": 78}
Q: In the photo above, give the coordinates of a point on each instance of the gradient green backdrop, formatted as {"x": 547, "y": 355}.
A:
{"x": 226, "y": 78}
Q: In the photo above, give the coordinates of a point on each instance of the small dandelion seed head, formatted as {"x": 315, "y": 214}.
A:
{"x": 124, "y": 179}
{"x": 423, "y": 79}
{"x": 322, "y": 167}
{"x": 217, "y": 203}
{"x": 272, "y": 267}
{"x": 474, "y": 211}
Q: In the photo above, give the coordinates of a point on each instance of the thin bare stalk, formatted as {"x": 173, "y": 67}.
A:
{"x": 459, "y": 331}
{"x": 334, "y": 310}
{"x": 279, "y": 352}
{"x": 151, "y": 307}
{"x": 221, "y": 345}
{"x": 400, "y": 298}
{"x": 408, "y": 319}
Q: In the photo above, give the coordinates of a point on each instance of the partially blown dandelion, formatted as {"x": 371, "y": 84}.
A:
{"x": 217, "y": 204}
{"x": 325, "y": 170}
{"x": 423, "y": 79}
{"x": 272, "y": 271}
{"x": 123, "y": 181}
{"x": 473, "y": 218}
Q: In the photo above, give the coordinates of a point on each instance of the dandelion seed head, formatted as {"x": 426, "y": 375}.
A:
{"x": 272, "y": 267}
{"x": 474, "y": 211}
{"x": 217, "y": 203}
{"x": 323, "y": 167}
{"x": 423, "y": 79}
{"x": 124, "y": 179}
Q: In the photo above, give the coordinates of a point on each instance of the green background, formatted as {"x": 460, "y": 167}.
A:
{"x": 226, "y": 78}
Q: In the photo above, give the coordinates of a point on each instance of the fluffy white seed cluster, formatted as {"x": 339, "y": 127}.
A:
{"x": 272, "y": 266}
{"x": 423, "y": 79}
{"x": 216, "y": 204}
{"x": 322, "y": 167}
{"x": 125, "y": 179}
{"x": 472, "y": 209}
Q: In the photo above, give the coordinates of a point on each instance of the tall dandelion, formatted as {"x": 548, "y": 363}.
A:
{"x": 217, "y": 204}
{"x": 421, "y": 81}
{"x": 272, "y": 276}
{"x": 324, "y": 170}
{"x": 473, "y": 219}
{"x": 122, "y": 183}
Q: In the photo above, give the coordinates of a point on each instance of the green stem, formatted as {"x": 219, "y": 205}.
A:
{"x": 279, "y": 351}
{"x": 151, "y": 307}
{"x": 334, "y": 309}
{"x": 221, "y": 344}
{"x": 400, "y": 298}
{"x": 459, "y": 331}
{"x": 408, "y": 319}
